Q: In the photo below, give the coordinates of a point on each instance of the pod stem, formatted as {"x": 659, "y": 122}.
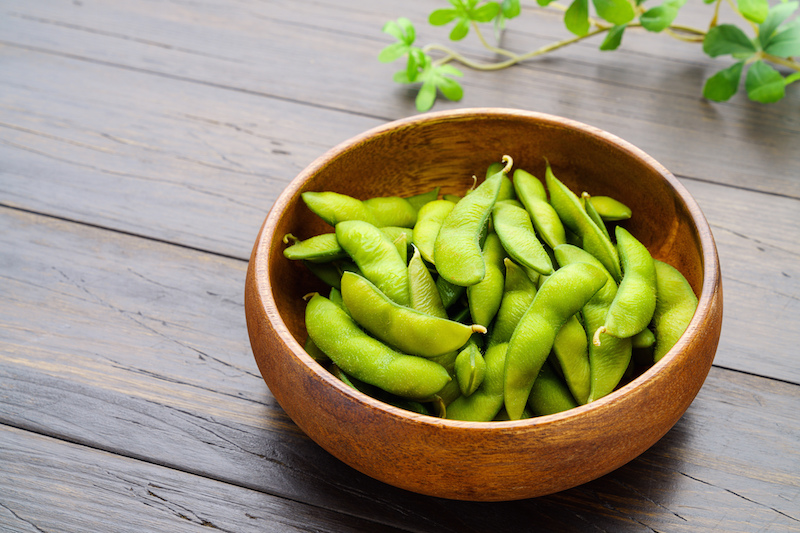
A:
{"x": 597, "y": 333}
{"x": 477, "y": 328}
{"x": 509, "y": 163}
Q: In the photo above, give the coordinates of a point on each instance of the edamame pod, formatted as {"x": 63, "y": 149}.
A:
{"x": 407, "y": 330}
{"x": 676, "y": 304}
{"x": 550, "y": 394}
{"x": 533, "y": 196}
{"x": 368, "y": 359}
{"x": 515, "y": 229}
{"x": 422, "y": 289}
{"x": 562, "y": 295}
{"x": 470, "y": 368}
{"x": 574, "y": 216}
{"x": 518, "y": 294}
{"x": 571, "y": 349}
{"x": 483, "y": 404}
{"x": 429, "y": 222}
{"x": 594, "y": 215}
{"x": 635, "y": 301}
{"x": 608, "y": 361}
{"x": 392, "y": 211}
{"x": 418, "y": 200}
{"x": 610, "y": 209}
{"x": 334, "y": 207}
{"x": 376, "y": 256}
{"x": 317, "y": 249}
{"x": 484, "y": 297}
{"x": 457, "y": 250}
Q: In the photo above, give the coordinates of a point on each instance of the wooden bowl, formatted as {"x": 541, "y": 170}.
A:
{"x": 488, "y": 461}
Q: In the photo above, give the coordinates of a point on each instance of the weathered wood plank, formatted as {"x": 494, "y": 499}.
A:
{"x": 293, "y": 50}
{"x": 51, "y": 485}
{"x": 138, "y": 348}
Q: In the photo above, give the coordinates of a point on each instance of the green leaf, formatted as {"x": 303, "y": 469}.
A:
{"x": 576, "y": 19}
{"x": 440, "y": 17}
{"x": 544, "y": 3}
{"x": 754, "y": 10}
{"x": 511, "y": 8}
{"x": 615, "y": 11}
{"x": 727, "y": 39}
{"x": 776, "y": 16}
{"x": 724, "y": 84}
{"x": 613, "y": 38}
{"x": 426, "y": 96}
{"x": 451, "y": 89}
{"x": 659, "y": 18}
{"x": 402, "y": 29}
{"x": 486, "y": 12}
{"x": 785, "y": 43}
{"x": 791, "y": 79}
{"x": 709, "y": 1}
{"x": 392, "y": 52}
{"x": 764, "y": 84}
{"x": 460, "y": 30}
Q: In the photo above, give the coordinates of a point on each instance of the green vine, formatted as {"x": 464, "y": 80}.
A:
{"x": 775, "y": 42}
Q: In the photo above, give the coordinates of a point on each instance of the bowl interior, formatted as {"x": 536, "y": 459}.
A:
{"x": 446, "y": 150}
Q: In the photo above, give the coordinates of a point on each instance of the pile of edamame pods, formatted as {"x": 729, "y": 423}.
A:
{"x": 519, "y": 299}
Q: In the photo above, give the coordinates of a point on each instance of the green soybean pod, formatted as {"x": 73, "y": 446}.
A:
{"x": 429, "y": 222}
{"x": 404, "y": 328}
{"x": 609, "y": 360}
{"x": 450, "y": 293}
{"x": 506, "y": 192}
{"x": 376, "y": 256}
{"x": 549, "y": 394}
{"x": 400, "y": 237}
{"x": 518, "y": 293}
{"x": 334, "y": 207}
{"x": 574, "y": 216}
{"x": 392, "y": 211}
{"x": 368, "y": 359}
{"x": 424, "y": 295}
{"x": 571, "y": 350}
{"x": 610, "y": 209}
{"x": 470, "y": 368}
{"x": 533, "y": 196}
{"x": 457, "y": 251}
{"x": 318, "y": 249}
{"x": 676, "y": 304}
{"x": 484, "y": 297}
{"x": 331, "y": 272}
{"x": 635, "y": 301}
{"x": 418, "y": 200}
{"x": 486, "y": 402}
{"x": 562, "y": 295}
{"x": 593, "y": 214}
{"x": 515, "y": 229}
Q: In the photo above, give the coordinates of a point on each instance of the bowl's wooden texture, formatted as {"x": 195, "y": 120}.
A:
{"x": 490, "y": 461}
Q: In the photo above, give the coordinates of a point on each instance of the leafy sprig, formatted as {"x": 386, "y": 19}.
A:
{"x": 775, "y": 43}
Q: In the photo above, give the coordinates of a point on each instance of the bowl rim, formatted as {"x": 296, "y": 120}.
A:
{"x": 708, "y": 253}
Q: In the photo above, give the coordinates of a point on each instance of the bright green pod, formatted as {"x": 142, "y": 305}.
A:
{"x": 470, "y": 368}
{"x": 392, "y": 211}
{"x": 368, "y": 359}
{"x": 424, "y": 295}
{"x": 418, "y": 200}
{"x": 635, "y": 301}
{"x": 334, "y": 207}
{"x": 518, "y": 293}
{"x": 574, "y": 216}
{"x": 562, "y": 295}
{"x": 400, "y": 237}
{"x": 609, "y": 209}
{"x": 485, "y": 296}
{"x": 550, "y": 393}
{"x": 608, "y": 360}
{"x": 429, "y": 222}
{"x": 588, "y": 206}
{"x": 376, "y": 256}
{"x": 571, "y": 349}
{"x": 317, "y": 249}
{"x": 313, "y": 350}
{"x": 486, "y": 402}
{"x": 331, "y": 272}
{"x": 449, "y": 293}
{"x": 676, "y": 304}
{"x": 404, "y": 328}
{"x": 533, "y": 196}
{"x": 457, "y": 251}
{"x": 515, "y": 229}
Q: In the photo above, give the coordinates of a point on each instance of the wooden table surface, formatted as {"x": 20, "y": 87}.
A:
{"x": 142, "y": 144}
